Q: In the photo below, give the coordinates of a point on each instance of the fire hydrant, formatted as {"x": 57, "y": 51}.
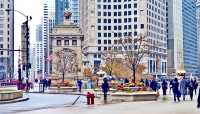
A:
{"x": 88, "y": 98}
{"x": 92, "y": 98}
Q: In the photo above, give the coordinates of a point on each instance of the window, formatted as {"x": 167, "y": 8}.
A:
{"x": 115, "y": 20}
{"x": 99, "y": 6}
{"x": 119, "y": 20}
{"x": 58, "y": 42}
{"x": 135, "y": 12}
{"x": 119, "y": 28}
{"x": 125, "y": 27}
{"x": 109, "y": 20}
{"x": 142, "y": 26}
{"x": 109, "y": 41}
{"x": 135, "y": 33}
{"x": 129, "y": 19}
{"x": 109, "y": 34}
{"x": 99, "y": 27}
{"x": 104, "y": 13}
{"x": 115, "y": 34}
{"x": 99, "y": 41}
{"x": 105, "y": 34}
{"x": 119, "y": 7}
{"x": 104, "y": 6}
{"x": 105, "y": 48}
{"x": 115, "y": 27}
{"x": 135, "y": 26}
{"x": 74, "y": 42}
{"x": 135, "y": 5}
{"x": 99, "y": 48}
{"x": 105, "y": 27}
{"x": 115, "y": 6}
{"x": 66, "y": 42}
{"x": 115, "y": 41}
{"x": 135, "y": 19}
{"x": 105, "y": 20}
{"x": 129, "y": 12}
{"x": 105, "y": 41}
{"x": 99, "y": 20}
{"x": 99, "y": 34}
{"x": 119, "y": 13}
{"x": 109, "y": 27}
{"x": 99, "y": 13}
{"x": 115, "y": 13}
{"x": 109, "y": 6}
{"x": 1, "y": 46}
{"x": 125, "y": 13}
{"x": 129, "y": 5}
{"x": 1, "y": 52}
{"x": 125, "y": 6}
{"x": 109, "y": 13}
{"x": 125, "y": 20}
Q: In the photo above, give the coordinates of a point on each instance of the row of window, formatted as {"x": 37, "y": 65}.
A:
{"x": 129, "y": 6}
{"x": 115, "y": 0}
{"x": 117, "y": 34}
{"x": 117, "y": 20}
{"x": 117, "y": 13}
{"x": 66, "y": 42}
{"x": 135, "y": 26}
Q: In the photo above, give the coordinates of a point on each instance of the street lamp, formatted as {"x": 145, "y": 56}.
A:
{"x": 28, "y": 18}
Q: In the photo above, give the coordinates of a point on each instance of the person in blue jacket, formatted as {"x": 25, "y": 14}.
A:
{"x": 105, "y": 88}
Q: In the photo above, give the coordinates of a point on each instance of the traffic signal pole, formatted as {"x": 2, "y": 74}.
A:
{"x": 27, "y": 53}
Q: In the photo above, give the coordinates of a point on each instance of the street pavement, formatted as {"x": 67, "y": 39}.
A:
{"x": 41, "y": 101}
{"x": 167, "y": 106}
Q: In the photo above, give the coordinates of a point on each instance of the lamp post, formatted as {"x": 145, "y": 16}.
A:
{"x": 28, "y": 65}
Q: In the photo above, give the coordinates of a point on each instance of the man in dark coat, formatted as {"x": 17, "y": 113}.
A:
{"x": 195, "y": 85}
{"x": 105, "y": 88}
{"x": 164, "y": 87}
{"x": 153, "y": 85}
{"x": 198, "y": 100}
{"x": 175, "y": 89}
{"x": 80, "y": 83}
{"x": 183, "y": 87}
{"x": 191, "y": 89}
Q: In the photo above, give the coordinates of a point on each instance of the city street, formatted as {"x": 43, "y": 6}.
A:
{"x": 152, "y": 107}
{"x": 40, "y": 101}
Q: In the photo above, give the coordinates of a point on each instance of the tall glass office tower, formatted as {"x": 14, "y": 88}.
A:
{"x": 64, "y": 5}
{"x": 190, "y": 36}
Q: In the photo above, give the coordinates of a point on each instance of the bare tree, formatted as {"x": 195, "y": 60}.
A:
{"x": 109, "y": 58}
{"x": 133, "y": 50}
{"x": 65, "y": 62}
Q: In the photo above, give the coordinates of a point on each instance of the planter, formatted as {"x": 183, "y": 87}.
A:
{"x": 6, "y": 95}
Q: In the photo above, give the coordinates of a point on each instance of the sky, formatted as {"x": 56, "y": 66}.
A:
{"x": 33, "y": 8}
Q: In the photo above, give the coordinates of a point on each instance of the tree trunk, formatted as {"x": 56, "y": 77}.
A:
{"x": 133, "y": 69}
{"x": 63, "y": 78}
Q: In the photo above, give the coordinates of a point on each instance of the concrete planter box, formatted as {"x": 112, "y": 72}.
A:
{"x": 10, "y": 95}
{"x": 135, "y": 96}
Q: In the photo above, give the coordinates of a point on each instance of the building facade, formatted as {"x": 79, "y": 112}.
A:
{"x": 39, "y": 66}
{"x": 64, "y": 5}
{"x": 66, "y": 38}
{"x": 47, "y": 26}
{"x": 6, "y": 39}
{"x": 103, "y": 22}
{"x": 190, "y": 37}
{"x": 198, "y": 34}
{"x": 174, "y": 35}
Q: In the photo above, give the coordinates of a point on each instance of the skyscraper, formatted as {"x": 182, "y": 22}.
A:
{"x": 6, "y": 38}
{"x": 39, "y": 51}
{"x": 198, "y": 34}
{"x": 47, "y": 26}
{"x": 103, "y": 22}
{"x": 190, "y": 36}
{"x": 62, "y": 6}
{"x": 175, "y": 35}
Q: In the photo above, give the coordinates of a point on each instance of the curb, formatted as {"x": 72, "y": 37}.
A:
{"x": 15, "y": 100}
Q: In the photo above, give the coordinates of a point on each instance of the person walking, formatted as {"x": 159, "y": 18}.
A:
{"x": 195, "y": 85}
{"x": 105, "y": 88}
{"x": 183, "y": 87}
{"x": 198, "y": 100}
{"x": 154, "y": 85}
{"x": 170, "y": 86}
{"x": 175, "y": 90}
{"x": 164, "y": 87}
{"x": 191, "y": 89}
{"x": 79, "y": 83}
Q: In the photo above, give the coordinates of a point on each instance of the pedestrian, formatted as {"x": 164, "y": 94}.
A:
{"x": 147, "y": 83}
{"x": 175, "y": 89}
{"x": 183, "y": 87}
{"x": 105, "y": 88}
{"x": 191, "y": 89}
{"x": 80, "y": 83}
{"x": 195, "y": 85}
{"x": 170, "y": 86}
{"x": 198, "y": 100}
{"x": 164, "y": 87}
{"x": 153, "y": 85}
{"x": 126, "y": 81}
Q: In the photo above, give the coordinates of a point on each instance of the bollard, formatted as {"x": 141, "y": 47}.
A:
{"x": 88, "y": 98}
{"x": 92, "y": 98}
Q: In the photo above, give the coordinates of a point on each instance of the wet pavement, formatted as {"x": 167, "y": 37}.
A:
{"x": 41, "y": 101}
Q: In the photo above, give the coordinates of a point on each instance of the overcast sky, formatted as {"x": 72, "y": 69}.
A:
{"x": 32, "y": 8}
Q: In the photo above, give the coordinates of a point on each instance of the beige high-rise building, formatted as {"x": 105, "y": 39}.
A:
{"x": 6, "y": 39}
{"x": 103, "y": 22}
